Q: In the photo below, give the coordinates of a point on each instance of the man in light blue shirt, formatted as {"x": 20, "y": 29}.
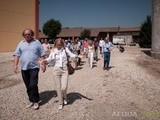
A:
{"x": 29, "y": 51}
{"x": 106, "y": 49}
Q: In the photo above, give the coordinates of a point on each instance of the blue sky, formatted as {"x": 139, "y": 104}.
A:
{"x": 95, "y": 13}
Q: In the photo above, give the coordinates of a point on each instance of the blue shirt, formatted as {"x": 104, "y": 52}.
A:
{"x": 106, "y": 47}
{"x": 29, "y": 54}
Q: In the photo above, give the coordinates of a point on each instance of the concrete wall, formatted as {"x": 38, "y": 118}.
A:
{"x": 16, "y": 15}
{"x": 156, "y": 28}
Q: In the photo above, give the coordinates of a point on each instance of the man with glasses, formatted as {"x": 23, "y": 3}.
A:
{"x": 29, "y": 51}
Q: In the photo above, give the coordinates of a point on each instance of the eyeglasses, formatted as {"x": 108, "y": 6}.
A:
{"x": 27, "y": 34}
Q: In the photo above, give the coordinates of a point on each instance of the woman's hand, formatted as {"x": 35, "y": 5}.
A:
{"x": 80, "y": 56}
{"x": 40, "y": 61}
{"x": 102, "y": 55}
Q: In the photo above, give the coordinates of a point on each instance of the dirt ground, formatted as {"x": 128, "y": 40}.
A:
{"x": 130, "y": 90}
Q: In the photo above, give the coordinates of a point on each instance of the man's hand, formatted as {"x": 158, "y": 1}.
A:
{"x": 16, "y": 60}
{"x": 15, "y": 68}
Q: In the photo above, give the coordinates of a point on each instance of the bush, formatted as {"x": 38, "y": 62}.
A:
{"x": 52, "y": 28}
{"x": 145, "y": 33}
{"x": 85, "y": 34}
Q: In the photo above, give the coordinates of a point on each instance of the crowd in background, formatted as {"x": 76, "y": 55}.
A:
{"x": 86, "y": 47}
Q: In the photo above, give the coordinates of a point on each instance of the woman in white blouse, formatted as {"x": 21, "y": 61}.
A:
{"x": 90, "y": 53}
{"x": 58, "y": 56}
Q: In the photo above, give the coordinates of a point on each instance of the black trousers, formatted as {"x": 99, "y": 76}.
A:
{"x": 100, "y": 48}
{"x": 30, "y": 78}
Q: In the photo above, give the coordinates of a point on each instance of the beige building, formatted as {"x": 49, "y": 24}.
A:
{"x": 15, "y": 16}
{"x": 130, "y": 34}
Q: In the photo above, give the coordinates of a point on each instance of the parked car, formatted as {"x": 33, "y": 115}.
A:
{"x": 119, "y": 41}
{"x": 51, "y": 41}
{"x": 132, "y": 44}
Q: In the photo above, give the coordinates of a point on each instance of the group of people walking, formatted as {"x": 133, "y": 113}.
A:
{"x": 35, "y": 56}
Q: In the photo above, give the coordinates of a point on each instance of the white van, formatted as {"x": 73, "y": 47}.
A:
{"x": 119, "y": 41}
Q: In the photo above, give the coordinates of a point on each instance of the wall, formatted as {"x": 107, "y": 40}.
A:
{"x": 16, "y": 15}
{"x": 156, "y": 28}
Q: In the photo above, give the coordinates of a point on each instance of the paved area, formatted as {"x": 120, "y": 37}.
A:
{"x": 130, "y": 90}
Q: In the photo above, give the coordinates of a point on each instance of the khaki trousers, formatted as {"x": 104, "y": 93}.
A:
{"x": 60, "y": 76}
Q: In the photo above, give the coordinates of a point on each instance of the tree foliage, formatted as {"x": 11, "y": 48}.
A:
{"x": 145, "y": 33}
{"x": 85, "y": 33}
{"x": 52, "y": 28}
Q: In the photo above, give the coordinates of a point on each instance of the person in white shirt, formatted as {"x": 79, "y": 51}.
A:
{"x": 96, "y": 45}
{"x": 90, "y": 53}
{"x": 101, "y": 42}
{"x": 58, "y": 56}
{"x": 46, "y": 47}
{"x": 74, "y": 49}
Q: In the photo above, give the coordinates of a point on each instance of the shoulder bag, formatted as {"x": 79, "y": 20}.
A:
{"x": 69, "y": 66}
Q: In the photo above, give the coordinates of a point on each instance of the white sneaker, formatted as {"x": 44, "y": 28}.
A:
{"x": 65, "y": 102}
{"x": 29, "y": 105}
{"x": 60, "y": 107}
{"x": 36, "y": 106}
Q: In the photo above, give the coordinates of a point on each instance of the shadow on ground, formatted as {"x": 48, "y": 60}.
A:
{"x": 73, "y": 96}
{"x": 82, "y": 63}
{"x": 147, "y": 52}
{"x": 46, "y": 96}
{"x": 5, "y": 83}
{"x": 79, "y": 68}
{"x": 110, "y": 67}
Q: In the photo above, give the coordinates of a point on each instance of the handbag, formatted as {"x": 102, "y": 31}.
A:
{"x": 69, "y": 66}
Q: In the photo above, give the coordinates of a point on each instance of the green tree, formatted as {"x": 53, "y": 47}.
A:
{"x": 145, "y": 33}
{"x": 52, "y": 28}
{"x": 85, "y": 33}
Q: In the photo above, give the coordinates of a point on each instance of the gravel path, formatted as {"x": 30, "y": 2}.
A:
{"x": 130, "y": 90}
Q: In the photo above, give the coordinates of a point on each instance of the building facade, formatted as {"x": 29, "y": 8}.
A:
{"x": 130, "y": 34}
{"x": 15, "y": 16}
